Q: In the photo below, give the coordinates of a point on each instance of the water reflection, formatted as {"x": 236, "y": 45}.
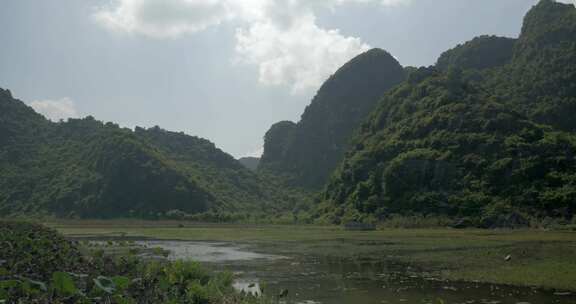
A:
{"x": 313, "y": 280}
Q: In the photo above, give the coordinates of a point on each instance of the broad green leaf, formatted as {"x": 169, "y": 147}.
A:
{"x": 10, "y": 284}
{"x": 63, "y": 283}
{"x": 34, "y": 287}
{"x": 164, "y": 284}
{"x": 124, "y": 300}
{"x": 121, "y": 282}
{"x": 105, "y": 284}
{"x": 5, "y": 286}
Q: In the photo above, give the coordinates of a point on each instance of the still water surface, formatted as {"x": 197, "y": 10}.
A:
{"x": 311, "y": 279}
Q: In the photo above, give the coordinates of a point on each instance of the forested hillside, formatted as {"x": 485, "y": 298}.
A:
{"x": 306, "y": 153}
{"x": 86, "y": 168}
{"x": 486, "y": 134}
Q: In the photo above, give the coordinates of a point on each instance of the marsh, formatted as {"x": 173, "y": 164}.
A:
{"x": 331, "y": 265}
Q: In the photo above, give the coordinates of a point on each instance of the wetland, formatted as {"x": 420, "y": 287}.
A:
{"x": 329, "y": 265}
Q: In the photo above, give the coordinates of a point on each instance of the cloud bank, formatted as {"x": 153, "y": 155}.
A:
{"x": 56, "y": 110}
{"x": 289, "y": 48}
{"x": 281, "y": 37}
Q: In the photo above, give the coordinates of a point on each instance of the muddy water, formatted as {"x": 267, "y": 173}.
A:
{"x": 310, "y": 279}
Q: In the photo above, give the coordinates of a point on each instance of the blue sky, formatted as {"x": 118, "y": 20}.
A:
{"x": 224, "y": 70}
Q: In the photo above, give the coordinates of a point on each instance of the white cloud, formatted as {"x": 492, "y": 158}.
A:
{"x": 301, "y": 54}
{"x": 281, "y": 37}
{"x": 395, "y": 2}
{"x": 289, "y": 48}
{"x": 56, "y": 110}
{"x": 163, "y": 18}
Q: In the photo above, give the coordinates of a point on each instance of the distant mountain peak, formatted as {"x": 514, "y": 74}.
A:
{"x": 6, "y": 94}
{"x": 548, "y": 22}
{"x": 309, "y": 151}
{"x": 480, "y": 53}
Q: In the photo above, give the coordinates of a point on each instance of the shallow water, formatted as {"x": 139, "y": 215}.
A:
{"x": 213, "y": 252}
{"x": 310, "y": 279}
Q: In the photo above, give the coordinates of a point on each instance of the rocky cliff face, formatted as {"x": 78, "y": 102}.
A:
{"x": 307, "y": 152}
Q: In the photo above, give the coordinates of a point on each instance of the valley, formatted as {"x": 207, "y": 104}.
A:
{"x": 453, "y": 182}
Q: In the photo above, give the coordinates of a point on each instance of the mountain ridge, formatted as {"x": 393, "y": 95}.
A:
{"x": 306, "y": 153}
{"x": 485, "y": 142}
{"x": 86, "y": 168}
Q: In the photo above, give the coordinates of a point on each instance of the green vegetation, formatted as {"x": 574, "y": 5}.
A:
{"x": 486, "y": 138}
{"x": 86, "y": 168}
{"x": 39, "y": 266}
{"x": 480, "y": 53}
{"x": 539, "y": 258}
{"x": 306, "y": 153}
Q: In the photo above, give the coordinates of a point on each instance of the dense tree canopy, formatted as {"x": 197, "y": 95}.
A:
{"x": 86, "y": 168}
{"x": 476, "y": 136}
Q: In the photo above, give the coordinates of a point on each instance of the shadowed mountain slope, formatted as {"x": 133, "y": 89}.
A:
{"x": 482, "y": 138}
{"x": 307, "y": 152}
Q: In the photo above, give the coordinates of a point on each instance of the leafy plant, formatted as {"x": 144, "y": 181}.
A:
{"x": 63, "y": 284}
{"x": 100, "y": 278}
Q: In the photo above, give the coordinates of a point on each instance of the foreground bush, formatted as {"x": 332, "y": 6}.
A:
{"x": 37, "y": 265}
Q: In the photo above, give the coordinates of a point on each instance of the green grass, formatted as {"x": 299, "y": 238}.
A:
{"x": 539, "y": 258}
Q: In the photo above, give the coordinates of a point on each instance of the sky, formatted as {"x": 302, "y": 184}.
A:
{"x": 225, "y": 70}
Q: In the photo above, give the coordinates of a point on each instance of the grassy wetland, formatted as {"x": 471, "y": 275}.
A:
{"x": 129, "y": 261}
{"x": 536, "y": 258}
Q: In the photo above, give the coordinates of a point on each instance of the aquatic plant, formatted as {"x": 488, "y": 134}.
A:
{"x": 37, "y": 265}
